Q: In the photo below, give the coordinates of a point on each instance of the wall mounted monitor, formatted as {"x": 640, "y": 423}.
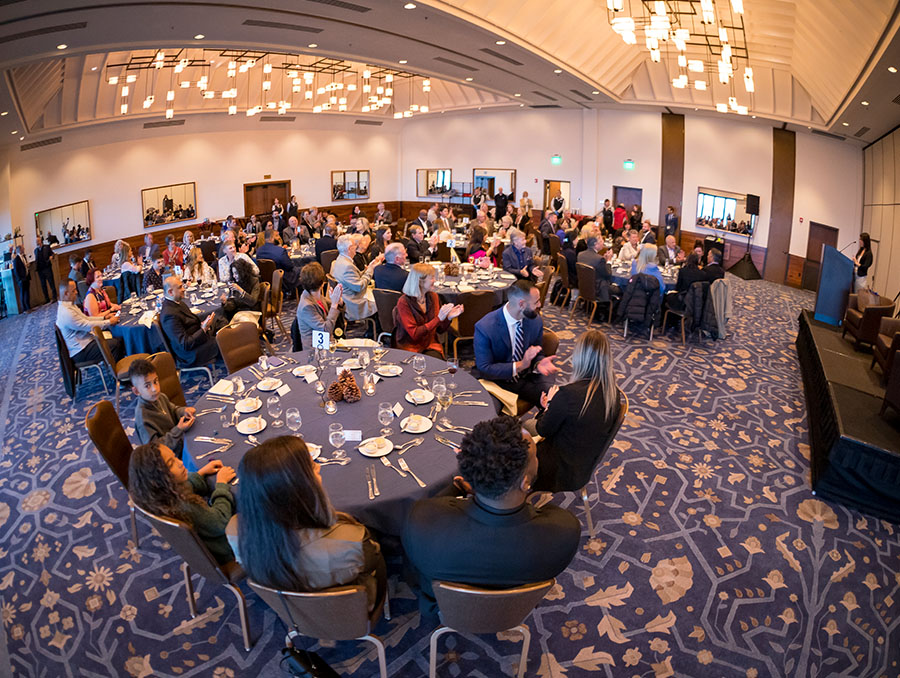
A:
{"x": 169, "y": 204}
{"x": 64, "y": 225}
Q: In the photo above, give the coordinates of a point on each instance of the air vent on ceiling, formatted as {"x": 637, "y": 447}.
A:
{"x": 543, "y": 95}
{"x": 583, "y": 95}
{"x": 545, "y": 106}
{"x": 373, "y": 123}
{"x": 277, "y": 118}
{"x": 38, "y": 144}
{"x": 465, "y": 67}
{"x": 828, "y": 134}
{"x": 43, "y": 31}
{"x": 278, "y": 24}
{"x": 163, "y": 123}
{"x": 862, "y": 131}
{"x": 505, "y": 58}
{"x": 340, "y": 4}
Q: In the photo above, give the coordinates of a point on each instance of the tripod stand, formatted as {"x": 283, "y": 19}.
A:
{"x": 745, "y": 268}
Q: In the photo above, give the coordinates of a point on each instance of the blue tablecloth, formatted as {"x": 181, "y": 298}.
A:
{"x": 621, "y": 277}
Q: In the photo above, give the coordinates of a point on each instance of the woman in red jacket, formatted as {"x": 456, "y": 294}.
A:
{"x": 173, "y": 255}
{"x": 418, "y": 315}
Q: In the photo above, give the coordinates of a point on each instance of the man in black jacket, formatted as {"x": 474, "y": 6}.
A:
{"x": 43, "y": 257}
{"x": 501, "y": 202}
{"x": 493, "y": 538}
{"x": 390, "y": 275}
{"x": 22, "y": 277}
{"x": 417, "y": 248}
{"x": 714, "y": 269}
{"x": 326, "y": 242}
{"x": 193, "y": 341}
{"x": 600, "y": 263}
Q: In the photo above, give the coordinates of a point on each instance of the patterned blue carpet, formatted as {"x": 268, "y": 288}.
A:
{"x": 711, "y": 558}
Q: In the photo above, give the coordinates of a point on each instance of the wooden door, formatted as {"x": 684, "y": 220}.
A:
{"x": 819, "y": 236}
{"x": 628, "y": 196}
{"x": 259, "y": 197}
{"x": 551, "y": 186}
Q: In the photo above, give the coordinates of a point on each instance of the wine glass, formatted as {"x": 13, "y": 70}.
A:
{"x": 363, "y": 359}
{"x": 273, "y": 406}
{"x": 292, "y": 419}
{"x": 452, "y": 367}
{"x": 385, "y": 417}
{"x": 336, "y": 438}
{"x": 418, "y": 364}
{"x": 439, "y": 388}
{"x": 238, "y": 384}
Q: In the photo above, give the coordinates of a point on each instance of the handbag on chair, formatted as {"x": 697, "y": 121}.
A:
{"x": 305, "y": 664}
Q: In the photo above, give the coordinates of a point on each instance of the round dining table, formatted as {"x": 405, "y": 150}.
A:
{"x": 493, "y": 279}
{"x": 621, "y": 275}
{"x": 432, "y": 461}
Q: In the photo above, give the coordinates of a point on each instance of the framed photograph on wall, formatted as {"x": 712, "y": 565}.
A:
{"x": 491, "y": 181}
{"x": 349, "y": 185}
{"x": 432, "y": 182}
{"x": 64, "y": 225}
{"x": 169, "y": 204}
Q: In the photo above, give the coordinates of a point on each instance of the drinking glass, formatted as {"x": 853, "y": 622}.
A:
{"x": 320, "y": 386}
{"x": 452, "y": 367}
{"x": 368, "y": 383}
{"x": 273, "y": 406}
{"x": 336, "y": 438}
{"x": 363, "y": 359}
{"x": 385, "y": 417}
{"x": 418, "y": 364}
{"x": 238, "y": 385}
{"x": 292, "y": 419}
{"x": 439, "y": 388}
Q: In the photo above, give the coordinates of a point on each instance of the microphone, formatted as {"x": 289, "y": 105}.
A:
{"x": 846, "y": 246}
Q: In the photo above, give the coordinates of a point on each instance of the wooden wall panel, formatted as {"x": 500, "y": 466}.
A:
{"x": 671, "y": 189}
{"x": 867, "y": 176}
{"x": 784, "y": 162}
{"x": 867, "y": 219}
{"x": 795, "y": 270}
{"x": 875, "y": 226}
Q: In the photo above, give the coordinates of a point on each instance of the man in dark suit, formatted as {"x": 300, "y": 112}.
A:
{"x": 193, "y": 341}
{"x": 671, "y": 221}
{"x": 648, "y": 237}
{"x": 382, "y": 216}
{"x": 508, "y": 345}
{"x": 493, "y": 538}
{"x": 22, "y": 278}
{"x": 714, "y": 269}
{"x": 518, "y": 259}
{"x": 149, "y": 251}
{"x": 390, "y": 275}
{"x": 417, "y": 248}
{"x": 593, "y": 257}
{"x": 269, "y": 250}
{"x": 326, "y": 242}
{"x": 421, "y": 221}
{"x": 87, "y": 263}
{"x": 501, "y": 203}
{"x": 43, "y": 257}
{"x": 670, "y": 253}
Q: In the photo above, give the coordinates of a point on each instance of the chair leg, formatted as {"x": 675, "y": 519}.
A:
{"x": 625, "y": 334}
{"x": 387, "y": 602}
{"x": 432, "y": 653}
{"x": 242, "y": 610}
{"x": 379, "y": 647}
{"x": 281, "y": 326}
{"x": 117, "y": 387}
{"x": 455, "y": 353}
{"x": 593, "y": 311}
{"x": 134, "y": 534}
{"x": 587, "y": 512}
{"x": 526, "y": 642}
{"x": 212, "y": 381}
{"x": 682, "y": 330}
{"x": 189, "y": 589}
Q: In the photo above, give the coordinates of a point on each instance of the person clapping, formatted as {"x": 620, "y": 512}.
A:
{"x": 419, "y": 315}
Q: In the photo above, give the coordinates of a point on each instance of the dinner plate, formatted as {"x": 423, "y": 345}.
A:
{"x": 351, "y": 364}
{"x": 419, "y": 424}
{"x": 498, "y": 283}
{"x": 375, "y": 447}
{"x": 157, "y": 292}
{"x": 389, "y": 370}
{"x": 208, "y": 295}
{"x": 251, "y": 425}
{"x": 303, "y": 370}
{"x": 419, "y": 396}
{"x": 315, "y": 451}
{"x": 248, "y": 405}
{"x": 269, "y": 384}
{"x": 190, "y": 288}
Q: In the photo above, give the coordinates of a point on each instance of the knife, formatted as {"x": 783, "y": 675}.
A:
{"x": 369, "y": 484}
{"x": 375, "y": 482}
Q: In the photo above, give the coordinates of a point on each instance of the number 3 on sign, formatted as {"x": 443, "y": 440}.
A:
{"x": 321, "y": 339}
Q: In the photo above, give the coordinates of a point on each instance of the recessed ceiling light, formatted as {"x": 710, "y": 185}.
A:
{"x": 93, "y": 68}
{"x": 62, "y": 46}
{"x": 500, "y": 42}
{"x": 199, "y": 36}
{"x": 402, "y": 61}
{"x": 312, "y": 45}
{"x": 891, "y": 69}
{"x": 15, "y": 131}
{"x": 596, "y": 91}
{"x": 521, "y": 105}
{"x": 864, "y": 103}
{"x": 557, "y": 70}
{"x": 468, "y": 79}
{"x": 409, "y": 5}
{"x": 754, "y": 117}
{"x": 517, "y": 94}
{"x": 5, "y": 113}
{"x": 21, "y": 138}
{"x": 846, "y": 124}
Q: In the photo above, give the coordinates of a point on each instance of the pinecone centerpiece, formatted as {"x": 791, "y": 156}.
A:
{"x": 451, "y": 269}
{"x": 349, "y": 386}
{"x": 336, "y": 391}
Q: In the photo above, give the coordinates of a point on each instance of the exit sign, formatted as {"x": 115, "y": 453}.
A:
{"x": 556, "y": 160}
{"x": 628, "y": 164}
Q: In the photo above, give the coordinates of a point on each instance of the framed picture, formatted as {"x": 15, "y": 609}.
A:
{"x": 432, "y": 182}
{"x": 349, "y": 185}
{"x": 64, "y": 225}
{"x": 492, "y": 181}
{"x": 169, "y": 204}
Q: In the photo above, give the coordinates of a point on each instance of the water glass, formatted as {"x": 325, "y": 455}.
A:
{"x": 368, "y": 383}
{"x": 273, "y": 406}
{"x": 263, "y": 363}
{"x": 418, "y": 364}
{"x": 320, "y": 386}
{"x": 385, "y": 417}
{"x": 238, "y": 385}
{"x": 292, "y": 419}
{"x": 336, "y": 438}
{"x": 363, "y": 359}
{"x": 452, "y": 367}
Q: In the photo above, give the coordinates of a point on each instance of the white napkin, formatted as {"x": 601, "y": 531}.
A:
{"x": 465, "y": 288}
{"x": 146, "y": 318}
{"x": 223, "y": 387}
{"x": 358, "y": 343}
{"x": 195, "y": 310}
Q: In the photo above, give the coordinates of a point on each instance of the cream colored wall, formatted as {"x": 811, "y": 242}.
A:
{"x": 881, "y": 212}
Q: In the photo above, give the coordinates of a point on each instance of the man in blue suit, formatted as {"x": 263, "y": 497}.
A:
{"x": 269, "y": 250}
{"x": 518, "y": 258}
{"x": 508, "y": 345}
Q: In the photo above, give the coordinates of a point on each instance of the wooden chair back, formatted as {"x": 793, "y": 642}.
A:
{"x": 112, "y": 293}
{"x": 328, "y": 257}
{"x": 470, "y": 609}
{"x": 239, "y": 346}
{"x": 587, "y": 285}
{"x": 385, "y": 301}
{"x": 276, "y": 296}
{"x": 169, "y": 383}
{"x": 266, "y": 269}
{"x": 476, "y": 305}
{"x": 106, "y": 432}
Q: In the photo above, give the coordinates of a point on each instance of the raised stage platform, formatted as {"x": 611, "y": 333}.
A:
{"x": 854, "y": 452}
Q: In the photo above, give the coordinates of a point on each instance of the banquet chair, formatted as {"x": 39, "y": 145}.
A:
{"x": 239, "y": 346}
{"x": 266, "y": 270}
{"x": 697, "y": 290}
{"x": 210, "y": 253}
{"x": 328, "y": 257}
{"x": 169, "y": 383}
{"x": 82, "y": 288}
{"x": 475, "y": 305}
{"x": 474, "y": 610}
{"x": 555, "y": 247}
{"x": 209, "y": 368}
{"x": 886, "y": 345}
{"x": 105, "y": 430}
{"x": 542, "y": 245}
{"x": 562, "y": 270}
{"x": 188, "y": 544}
{"x": 443, "y": 253}
{"x": 276, "y": 300}
{"x": 623, "y": 412}
{"x": 338, "y": 613}
{"x": 587, "y": 292}
{"x": 296, "y": 338}
{"x": 119, "y": 368}
{"x": 385, "y": 301}
{"x": 265, "y": 295}
{"x": 863, "y": 320}
{"x": 112, "y": 293}
{"x": 71, "y": 371}
{"x": 549, "y": 347}
{"x": 892, "y": 391}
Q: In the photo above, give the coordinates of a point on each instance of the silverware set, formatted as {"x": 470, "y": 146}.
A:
{"x": 401, "y": 462}
{"x": 224, "y": 445}
{"x": 255, "y": 372}
{"x": 447, "y": 442}
{"x": 407, "y": 446}
{"x": 445, "y": 426}
{"x": 372, "y": 482}
{"x": 220, "y": 398}
{"x": 386, "y": 462}
{"x": 479, "y": 403}
{"x": 211, "y": 410}
{"x": 339, "y": 462}
{"x": 406, "y": 361}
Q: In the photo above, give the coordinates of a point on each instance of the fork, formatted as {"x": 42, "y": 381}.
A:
{"x": 446, "y": 423}
{"x": 407, "y": 360}
{"x": 384, "y": 460}
{"x": 402, "y": 463}
{"x": 406, "y": 446}
{"x": 223, "y": 448}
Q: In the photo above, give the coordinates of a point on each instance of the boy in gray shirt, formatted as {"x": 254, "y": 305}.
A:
{"x": 156, "y": 419}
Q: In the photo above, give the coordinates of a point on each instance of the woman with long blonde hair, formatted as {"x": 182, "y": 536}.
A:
{"x": 647, "y": 262}
{"x": 419, "y": 315}
{"x": 577, "y": 418}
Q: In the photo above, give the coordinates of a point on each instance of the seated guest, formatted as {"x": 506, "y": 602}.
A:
{"x": 688, "y": 274}
{"x": 87, "y": 263}
{"x": 116, "y": 259}
{"x": 75, "y": 269}
{"x": 713, "y": 269}
{"x": 159, "y": 483}
{"x": 153, "y": 278}
{"x": 187, "y": 244}
{"x": 173, "y": 254}
{"x": 477, "y": 249}
{"x": 671, "y": 254}
{"x": 97, "y": 301}
{"x": 228, "y": 238}
{"x": 598, "y": 258}
{"x": 508, "y": 345}
{"x": 286, "y": 534}
{"x": 245, "y": 289}
{"x": 229, "y": 255}
{"x": 193, "y": 341}
{"x": 648, "y": 237}
{"x": 326, "y": 242}
{"x": 312, "y": 311}
{"x": 276, "y": 253}
{"x": 419, "y": 314}
{"x": 361, "y": 258}
{"x": 417, "y": 249}
{"x": 577, "y": 419}
{"x": 76, "y": 327}
{"x": 548, "y": 228}
{"x": 382, "y": 216}
{"x": 493, "y": 538}
{"x": 523, "y": 219}
{"x": 149, "y": 251}
{"x": 390, "y": 275}
{"x": 698, "y": 248}
{"x": 630, "y": 248}
{"x": 646, "y": 263}
{"x": 253, "y": 226}
{"x": 196, "y": 269}
{"x": 156, "y": 419}
{"x": 382, "y": 239}
{"x": 359, "y": 302}
{"x": 570, "y": 254}
{"x": 519, "y": 260}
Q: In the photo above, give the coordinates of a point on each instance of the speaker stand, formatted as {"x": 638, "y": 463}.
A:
{"x": 745, "y": 268}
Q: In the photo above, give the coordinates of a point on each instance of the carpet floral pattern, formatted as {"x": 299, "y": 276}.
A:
{"x": 711, "y": 556}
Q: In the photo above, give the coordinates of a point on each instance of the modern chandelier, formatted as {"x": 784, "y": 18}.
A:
{"x": 699, "y": 40}
{"x": 256, "y": 81}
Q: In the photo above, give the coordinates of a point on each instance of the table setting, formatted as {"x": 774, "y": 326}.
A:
{"x": 470, "y": 278}
{"x": 621, "y": 274}
{"x": 383, "y": 424}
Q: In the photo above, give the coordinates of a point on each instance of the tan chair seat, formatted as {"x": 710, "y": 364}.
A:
{"x": 854, "y": 317}
{"x": 233, "y": 571}
{"x": 125, "y": 363}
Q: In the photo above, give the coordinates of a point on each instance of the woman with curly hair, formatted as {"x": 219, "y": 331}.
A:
{"x": 196, "y": 270}
{"x": 160, "y": 484}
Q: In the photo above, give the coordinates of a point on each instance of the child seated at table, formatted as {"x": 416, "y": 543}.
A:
{"x": 156, "y": 419}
